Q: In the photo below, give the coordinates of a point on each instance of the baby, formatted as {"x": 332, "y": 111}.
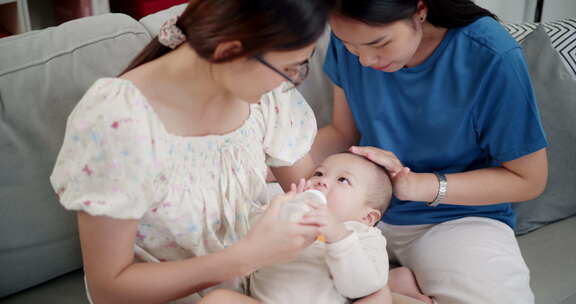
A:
{"x": 350, "y": 261}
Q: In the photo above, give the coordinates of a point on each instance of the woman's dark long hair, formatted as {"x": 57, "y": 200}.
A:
{"x": 260, "y": 25}
{"x": 443, "y": 13}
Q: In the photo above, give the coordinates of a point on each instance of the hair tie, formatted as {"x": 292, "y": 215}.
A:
{"x": 170, "y": 35}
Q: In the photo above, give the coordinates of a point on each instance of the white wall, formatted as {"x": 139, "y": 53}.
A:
{"x": 523, "y": 10}
{"x": 513, "y": 11}
{"x": 557, "y": 9}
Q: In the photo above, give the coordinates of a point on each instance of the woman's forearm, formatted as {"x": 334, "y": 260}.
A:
{"x": 162, "y": 282}
{"x": 517, "y": 180}
{"x": 479, "y": 187}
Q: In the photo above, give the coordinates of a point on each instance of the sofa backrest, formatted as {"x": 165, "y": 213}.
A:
{"x": 43, "y": 74}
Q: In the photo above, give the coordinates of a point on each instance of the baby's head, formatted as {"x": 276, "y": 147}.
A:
{"x": 356, "y": 188}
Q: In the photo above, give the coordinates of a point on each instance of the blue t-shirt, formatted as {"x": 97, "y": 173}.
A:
{"x": 470, "y": 105}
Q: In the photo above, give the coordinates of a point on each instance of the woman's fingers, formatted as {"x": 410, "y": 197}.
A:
{"x": 308, "y": 185}
{"x": 381, "y": 157}
{"x": 314, "y": 220}
{"x": 301, "y": 185}
{"x": 309, "y": 232}
{"x": 317, "y": 215}
{"x": 314, "y": 205}
{"x": 305, "y": 229}
{"x": 402, "y": 173}
{"x": 278, "y": 200}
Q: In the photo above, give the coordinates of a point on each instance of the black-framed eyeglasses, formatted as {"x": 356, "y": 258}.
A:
{"x": 301, "y": 72}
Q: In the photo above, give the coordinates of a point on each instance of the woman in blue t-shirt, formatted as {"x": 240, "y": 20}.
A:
{"x": 438, "y": 93}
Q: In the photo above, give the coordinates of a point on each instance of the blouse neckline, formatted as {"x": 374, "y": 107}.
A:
{"x": 219, "y": 137}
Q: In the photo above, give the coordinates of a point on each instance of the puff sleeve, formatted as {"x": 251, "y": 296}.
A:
{"x": 106, "y": 163}
{"x": 290, "y": 127}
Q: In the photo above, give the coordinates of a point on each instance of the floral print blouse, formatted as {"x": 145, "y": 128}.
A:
{"x": 192, "y": 195}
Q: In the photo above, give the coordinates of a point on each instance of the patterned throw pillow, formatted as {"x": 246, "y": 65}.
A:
{"x": 562, "y": 33}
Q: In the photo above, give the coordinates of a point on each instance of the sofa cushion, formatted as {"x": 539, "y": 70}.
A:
{"x": 42, "y": 76}
{"x": 562, "y": 33}
{"x": 317, "y": 89}
{"x": 66, "y": 289}
{"x": 549, "y": 253}
{"x": 555, "y": 89}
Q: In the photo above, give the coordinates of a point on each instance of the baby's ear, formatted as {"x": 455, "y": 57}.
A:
{"x": 372, "y": 216}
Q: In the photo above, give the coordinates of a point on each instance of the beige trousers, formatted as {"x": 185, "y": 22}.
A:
{"x": 465, "y": 261}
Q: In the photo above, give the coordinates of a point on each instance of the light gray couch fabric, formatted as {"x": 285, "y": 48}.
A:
{"x": 555, "y": 90}
{"x": 43, "y": 74}
{"x": 42, "y": 78}
{"x": 67, "y": 289}
{"x": 550, "y": 253}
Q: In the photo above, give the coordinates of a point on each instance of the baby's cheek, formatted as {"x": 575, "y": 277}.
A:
{"x": 334, "y": 203}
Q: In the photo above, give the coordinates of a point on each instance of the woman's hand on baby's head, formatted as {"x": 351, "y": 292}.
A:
{"x": 383, "y": 158}
{"x": 405, "y": 183}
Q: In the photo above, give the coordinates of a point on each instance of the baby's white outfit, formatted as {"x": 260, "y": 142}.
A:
{"x": 192, "y": 195}
{"x": 353, "y": 267}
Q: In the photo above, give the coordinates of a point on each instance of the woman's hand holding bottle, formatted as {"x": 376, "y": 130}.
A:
{"x": 271, "y": 240}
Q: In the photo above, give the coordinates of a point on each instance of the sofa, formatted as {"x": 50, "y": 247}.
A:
{"x": 44, "y": 73}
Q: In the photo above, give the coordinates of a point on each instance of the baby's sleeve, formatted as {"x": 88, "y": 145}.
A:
{"x": 105, "y": 164}
{"x": 290, "y": 127}
{"x": 359, "y": 262}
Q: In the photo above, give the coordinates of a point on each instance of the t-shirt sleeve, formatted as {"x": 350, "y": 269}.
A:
{"x": 290, "y": 127}
{"x": 105, "y": 163}
{"x": 359, "y": 262}
{"x": 508, "y": 122}
{"x": 332, "y": 62}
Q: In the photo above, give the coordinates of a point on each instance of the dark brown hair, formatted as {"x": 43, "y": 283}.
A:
{"x": 260, "y": 25}
{"x": 443, "y": 13}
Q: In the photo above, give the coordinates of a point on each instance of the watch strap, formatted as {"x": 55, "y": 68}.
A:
{"x": 442, "y": 188}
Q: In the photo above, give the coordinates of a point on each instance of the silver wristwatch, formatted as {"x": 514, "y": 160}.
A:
{"x": 443, "y": 186}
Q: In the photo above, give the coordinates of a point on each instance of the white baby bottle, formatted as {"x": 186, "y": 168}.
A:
{"x": 294, "y": 209}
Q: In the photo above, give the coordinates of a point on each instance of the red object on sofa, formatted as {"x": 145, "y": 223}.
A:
{"x": 66, "y": 10}
{"x": 4, "y": 32}
{"x": 140, "y": 8}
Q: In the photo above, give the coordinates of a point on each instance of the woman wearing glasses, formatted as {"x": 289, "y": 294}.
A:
{"x": 165, "y": 163}
{"x": 438, "y": 93}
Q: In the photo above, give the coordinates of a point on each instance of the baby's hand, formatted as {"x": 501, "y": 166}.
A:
{"x": 330, "y": 227}
{"x": 300, "y": 187}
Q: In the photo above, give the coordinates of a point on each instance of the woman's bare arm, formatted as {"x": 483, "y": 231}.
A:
{"x": 113, "y": 277}
{"x": 340, "y": 134}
